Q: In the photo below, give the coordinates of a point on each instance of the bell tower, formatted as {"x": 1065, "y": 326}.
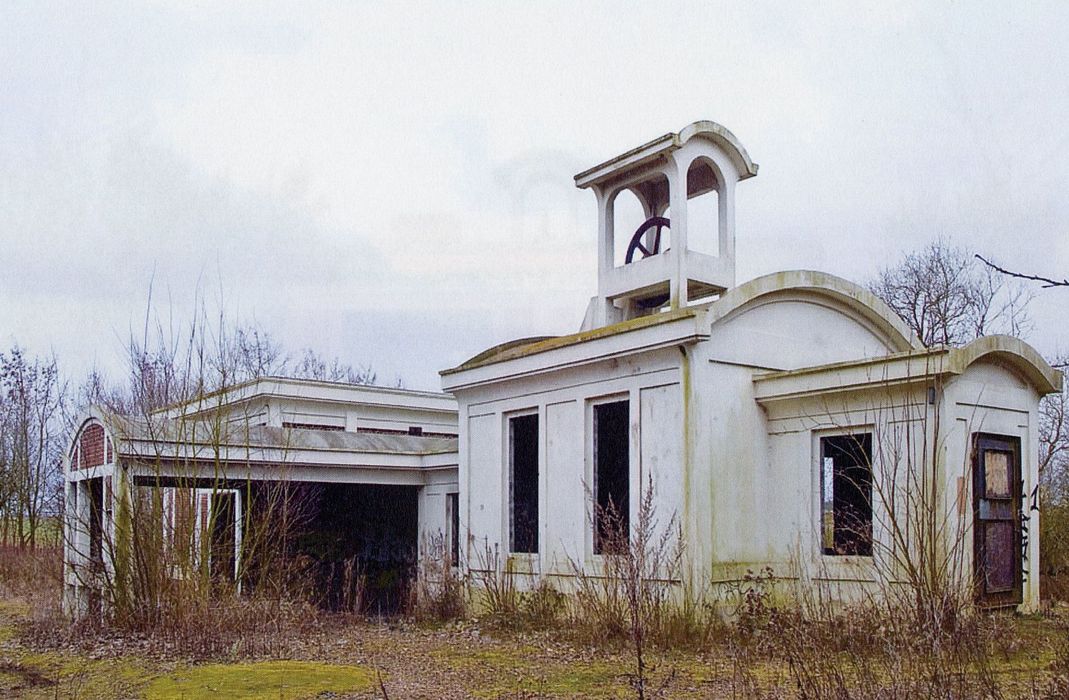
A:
{"x": 660, "y": 266}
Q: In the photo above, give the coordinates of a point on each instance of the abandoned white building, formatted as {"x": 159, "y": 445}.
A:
{"x": 792, "y": 421}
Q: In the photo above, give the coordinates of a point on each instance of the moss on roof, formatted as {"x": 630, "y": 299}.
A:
{"x": 532, "y": 346}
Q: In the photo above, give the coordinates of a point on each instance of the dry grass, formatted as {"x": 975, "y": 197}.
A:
{"x": 769, "y": 646}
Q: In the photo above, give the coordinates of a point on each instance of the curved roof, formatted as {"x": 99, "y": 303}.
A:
{"x": 667, "y": 143}
{"x": 725, "y": 139}
{"x": 843, "y": 292}
{"x": 524, "y": 347}
{"x": 1014, "y": 352}
{"x": 866, "y": 306}
{"x": 92, "y": 414}
{"x": 501, "y": 348}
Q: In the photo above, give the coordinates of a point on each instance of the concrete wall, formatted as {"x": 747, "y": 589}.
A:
{"x": 564, "y": 400}
{"x": 750, "y": 495}
{"x": 279, "y": 410}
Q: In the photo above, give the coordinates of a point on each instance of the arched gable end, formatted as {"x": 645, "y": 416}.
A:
{"x": 1018, "y": 355}
{"x": 92, "y": 444}
{"x": 795, "y": 319}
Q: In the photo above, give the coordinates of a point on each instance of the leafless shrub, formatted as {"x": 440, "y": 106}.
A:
{"x": 631, "y": 599}
{"x": 543, "y": 607}
{"x": 495, "y": 584}
{"x": 873, "y": 650}
{"x": 752, "y": 603}
{"x": 152, "y": 569}
{"x": 25, "y": 573}
{"x": 33, "y": 399}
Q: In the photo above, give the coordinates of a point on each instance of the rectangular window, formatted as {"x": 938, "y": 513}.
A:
{"x": 523, "y": 484}
{"x": 452, "y": 504}
{"x": 846, "y": 494}
{"x": 612, "y": 471}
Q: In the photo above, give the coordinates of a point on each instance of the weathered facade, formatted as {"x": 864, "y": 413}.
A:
{"x": 791, "y": 422}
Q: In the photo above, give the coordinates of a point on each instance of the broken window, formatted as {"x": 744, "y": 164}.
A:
{"x": 523, "y": 483}
{"x": 846, "y": 494}
{"x": 611, "y": 475}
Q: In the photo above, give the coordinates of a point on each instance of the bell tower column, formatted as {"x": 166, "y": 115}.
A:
{"x": 677, "y": 189}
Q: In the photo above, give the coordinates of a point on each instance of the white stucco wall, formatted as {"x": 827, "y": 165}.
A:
{"x": 564, "y": 402}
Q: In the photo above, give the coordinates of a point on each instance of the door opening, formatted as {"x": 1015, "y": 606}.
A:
{"x": 997, "y": 520}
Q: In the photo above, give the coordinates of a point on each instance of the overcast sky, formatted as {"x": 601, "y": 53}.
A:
{"x": 393, "y": 183}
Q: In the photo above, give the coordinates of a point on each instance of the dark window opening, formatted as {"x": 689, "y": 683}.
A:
{"x": 523, "y": 483}
{"x": 415, "y": 430}
{"x": 612, "y": 469}
{"x": 95, "y": 488}
{"x": 310, "y": 426}
{"x": 223, "y": 537}
{"x": 452, "y": 502}
{"x": 846, "y": 494}
{"x": 388, "y": 431}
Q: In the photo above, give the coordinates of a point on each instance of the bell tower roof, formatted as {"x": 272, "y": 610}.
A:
{"x": 668, "y": 143}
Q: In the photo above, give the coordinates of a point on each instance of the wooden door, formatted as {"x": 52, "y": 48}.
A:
{"x": 997, "y": 519}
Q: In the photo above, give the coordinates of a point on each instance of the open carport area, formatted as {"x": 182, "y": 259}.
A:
{"x": 337, "y": 515}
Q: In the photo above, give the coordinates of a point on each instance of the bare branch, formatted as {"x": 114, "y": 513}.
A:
{"x": 1047, "y": 281}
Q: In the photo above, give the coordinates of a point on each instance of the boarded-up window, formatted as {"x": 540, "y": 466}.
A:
{"x": 612, "y": 460}
{"x": 523, "y": 483}
{"x": 183, "y": 526}
{"x": 91, "y": 446}
{"x": 205, "y": 511}
{"x": 846, "y": 494}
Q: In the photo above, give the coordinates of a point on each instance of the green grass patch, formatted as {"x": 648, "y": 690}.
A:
{"x": 53, "y": 675}
{"x": 269, "y": 680}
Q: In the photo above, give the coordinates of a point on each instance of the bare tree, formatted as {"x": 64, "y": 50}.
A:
{"x": 948, "y": 298}
{"x": 31, "y": 432}
{"x": 1054, "y": 480}
{"x": 312, "y": 365}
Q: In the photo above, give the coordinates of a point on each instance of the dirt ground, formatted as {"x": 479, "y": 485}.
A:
{"x": 351, "y": 659}
{"x": 359, "y": 660}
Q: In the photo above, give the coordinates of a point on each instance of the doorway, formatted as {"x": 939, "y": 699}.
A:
{"x": 997, "y": 520}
